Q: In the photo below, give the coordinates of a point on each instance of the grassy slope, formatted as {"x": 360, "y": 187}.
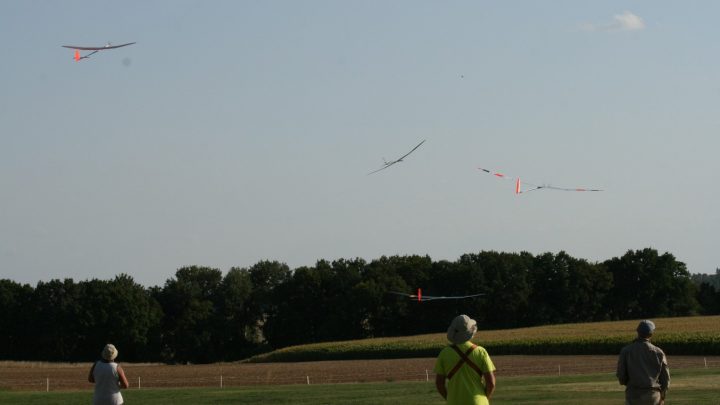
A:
{"x": 698, "y": 386}
{"x": 678, "y": 336}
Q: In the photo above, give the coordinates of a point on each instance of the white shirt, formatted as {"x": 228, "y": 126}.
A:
{"x": 107, "y": 384}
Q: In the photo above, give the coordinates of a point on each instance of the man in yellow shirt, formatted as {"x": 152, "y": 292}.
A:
{"x": 466, "y": 367}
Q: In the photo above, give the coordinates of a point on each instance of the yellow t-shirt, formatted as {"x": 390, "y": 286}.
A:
{"x": 466, "y": 387}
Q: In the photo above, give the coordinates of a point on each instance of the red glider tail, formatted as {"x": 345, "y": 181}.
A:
{"x": 77, "y": 55}
{"x": 419, "y": 294}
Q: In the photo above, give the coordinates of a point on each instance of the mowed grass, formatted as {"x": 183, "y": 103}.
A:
{"x": 697, "y": 335}
{"x": 692, "y": 386}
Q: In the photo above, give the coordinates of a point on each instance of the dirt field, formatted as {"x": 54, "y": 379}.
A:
{"x": 42, "y": 376}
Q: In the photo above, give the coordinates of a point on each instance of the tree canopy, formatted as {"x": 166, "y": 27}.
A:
{"x": 201, "y": 315}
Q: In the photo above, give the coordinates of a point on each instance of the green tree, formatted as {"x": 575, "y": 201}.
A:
{"x": 385, "y": 310}
{"x": 646, "y": 284}
{"x": 16, "y": 330}
{"x": 319, "y": 304}
{"x": 565, "y": 289}
{"x": 712, "y": 279}
{"x": 121, "y": 312}
{"x": 191, "y": 320}
{"x": 709, "y": 299}
{"x": 265, "y": 296}
{"x": 237, "y": 328}
{"x": 506, "y": 281}
{"x": 55, "y": 306}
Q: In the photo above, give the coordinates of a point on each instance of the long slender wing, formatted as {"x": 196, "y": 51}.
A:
{"x": 403, "y": 294}
{"x": 516, "y": 180}
{"x": 434, "y": 297}
{"x": 571, "y": 189}
{"x": 519, "y": 184}
{"x": 497, "y": 174}
{"x": 413, "y": 150}
{"x": 388, "y": 164}
{"x": 96, "y": 48}
{"x": 460, "y": 297}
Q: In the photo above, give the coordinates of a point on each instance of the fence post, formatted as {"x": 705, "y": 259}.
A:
{"x": 705, "y": 360}
{"x": 47, "y": 384}
{"x": 221, "y": 381}
{"x": 427, "y": 376}
{"x": 138, "y": 382}
{"x": 308, "y": 379}
{"x": 558, "y": 370}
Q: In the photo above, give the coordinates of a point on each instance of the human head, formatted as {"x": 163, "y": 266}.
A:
{"x": 646, "y": 328}
{"x": 109, "y": 352}
{"x": 461, "y": 329}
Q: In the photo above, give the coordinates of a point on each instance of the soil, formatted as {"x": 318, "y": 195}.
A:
{"x": 32, "y": 376}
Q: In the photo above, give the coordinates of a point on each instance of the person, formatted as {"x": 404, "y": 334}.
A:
{"x": 643, "y": 369}
{"x": 464, "y": 372}
{"x": 108, "y": 378}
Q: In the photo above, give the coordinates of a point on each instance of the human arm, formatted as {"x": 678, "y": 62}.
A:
{"x": 664, "y": 378}
{"x": 621, "y": 373}
{"x": 440, "y": 385}
{"x": 91, "y": 377}
{"x": 121, "y": 378}
{"x": 489, "y": 383}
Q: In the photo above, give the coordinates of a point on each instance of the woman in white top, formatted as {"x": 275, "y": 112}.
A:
{"x": 108, "y": 377}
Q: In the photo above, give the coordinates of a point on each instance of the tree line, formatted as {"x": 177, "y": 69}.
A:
{"x": 201, "y": 315}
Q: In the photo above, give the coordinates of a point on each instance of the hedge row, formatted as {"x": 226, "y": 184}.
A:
{"x": 705, "y": 344}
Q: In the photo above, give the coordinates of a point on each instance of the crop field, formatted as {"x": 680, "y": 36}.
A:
{"x": 698, "y": 336}
{"x": 393, "y": 370}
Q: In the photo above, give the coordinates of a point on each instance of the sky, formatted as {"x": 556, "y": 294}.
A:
{"x": 239, "y": 131}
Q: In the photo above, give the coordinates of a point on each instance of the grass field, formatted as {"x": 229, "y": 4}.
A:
{"x": 395, "y": 370}
{"x": 692, "y": 386}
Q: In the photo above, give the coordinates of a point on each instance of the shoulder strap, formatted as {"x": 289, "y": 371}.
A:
{"x": 464, "y": 359}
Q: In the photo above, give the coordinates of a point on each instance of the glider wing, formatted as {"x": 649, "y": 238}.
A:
{"x": 96, "y": 48}
{"x": 459, "y": 297}
{"x": 420, "y": 297}
{"x": 411, "y": 151}
{"x": 519, "y": 185}
{"x": 388, "y": 164}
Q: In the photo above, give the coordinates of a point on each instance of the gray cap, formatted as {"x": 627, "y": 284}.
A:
{"x": 461, "y": 329}
{"x": 646, "y": 328}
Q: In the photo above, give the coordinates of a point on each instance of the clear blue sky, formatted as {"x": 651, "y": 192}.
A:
{"x": 239, "y": 131}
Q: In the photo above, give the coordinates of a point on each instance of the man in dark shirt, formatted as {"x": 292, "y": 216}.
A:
{"x": 643, "y": 369}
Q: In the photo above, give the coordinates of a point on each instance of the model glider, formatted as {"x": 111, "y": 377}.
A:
{"x": 519, "y": 184}
{"x": 94, "y": 49}
{"x": 420, "y": 297}
{"x": 400, "y": 159}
